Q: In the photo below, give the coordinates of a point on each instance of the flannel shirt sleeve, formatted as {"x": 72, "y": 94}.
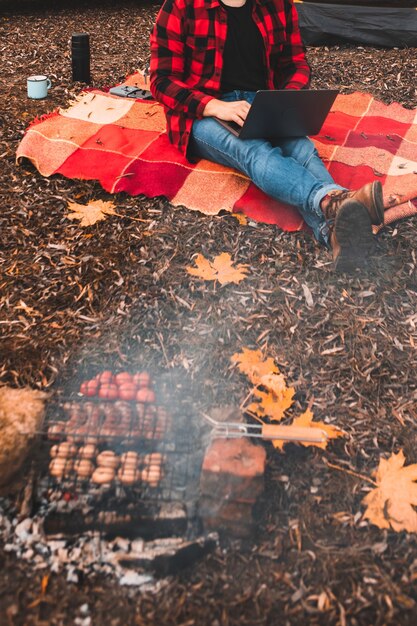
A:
{"x": 167, "y": 63}
{"x": 294, "y": 71}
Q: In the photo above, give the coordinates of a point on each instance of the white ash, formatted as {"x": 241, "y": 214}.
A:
{"x": 87, "y": 554}
{"x": 72, "y": 575}
{"x": 134, "y": 579}
{"x": 84, "y": 609}
{"x": 82, "y": 621}
{"x": 137, "y": 546}
{"x": 23, "y": 530}
{"x": 122, "y": 544}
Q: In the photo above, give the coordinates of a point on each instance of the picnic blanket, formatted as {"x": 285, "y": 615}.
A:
{"x": 121, "y": 142}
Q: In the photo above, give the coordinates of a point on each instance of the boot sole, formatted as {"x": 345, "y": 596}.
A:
{"x": 378, "y": 201}
{"x": 353, "y": 230}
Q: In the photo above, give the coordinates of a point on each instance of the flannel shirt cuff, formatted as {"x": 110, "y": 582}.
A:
{"x": 202, "y": 105}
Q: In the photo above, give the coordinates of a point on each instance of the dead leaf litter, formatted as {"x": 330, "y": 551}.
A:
{"x": 78, "y": 299}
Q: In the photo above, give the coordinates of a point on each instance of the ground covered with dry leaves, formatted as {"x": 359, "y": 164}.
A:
{"x": 116, "y": 295}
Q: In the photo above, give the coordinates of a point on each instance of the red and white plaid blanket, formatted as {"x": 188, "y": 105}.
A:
{"x": 122, "y": 143}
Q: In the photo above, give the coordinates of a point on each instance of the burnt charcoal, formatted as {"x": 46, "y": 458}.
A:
{"x": 111, "y": 524}
{"x": 175, "y": 559}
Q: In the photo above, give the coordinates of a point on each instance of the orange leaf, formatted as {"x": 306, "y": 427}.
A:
{"x": 306, "y": 420}
{"x": 91, "y": 213}
{"x": 226, "y": 271}
{"x": 253, "y": 364}
{"x": 390, "y": 504}
{"x": 264, "y": 373}
{"x": 271, "y": 404}
{"x": 221, "y": 269}
{"x": 242, "y": 219}
{"x": 44, "y": 584}
{"x": 273, "y": 382}
{"x": 203, "y": 268}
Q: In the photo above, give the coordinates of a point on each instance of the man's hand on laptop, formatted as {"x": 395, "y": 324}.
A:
{"x": 227, "y": 111}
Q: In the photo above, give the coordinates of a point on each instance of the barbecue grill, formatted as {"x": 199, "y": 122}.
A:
{"x": 122, "y": 467}
{"x": 129, "y": 467}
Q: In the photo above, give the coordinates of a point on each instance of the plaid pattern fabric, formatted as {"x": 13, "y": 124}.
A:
{"x": 122, "y": 143}
{"x": 187, "y": 46}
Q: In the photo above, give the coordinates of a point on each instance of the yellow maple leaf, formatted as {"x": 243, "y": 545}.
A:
{"x": 273, "y": 382}
{"x": 273, "y": 397}
{"x": 272, "y": 405}
{"x": 203, "y": 268}
{"x": 226, "y": 271}
{"x": 306, "y": 420}
{"x": 253, "y": 364}
{"x": 91, "y": 213}
{"x": 221, "y": 269}
{"x": 390, "y": 504}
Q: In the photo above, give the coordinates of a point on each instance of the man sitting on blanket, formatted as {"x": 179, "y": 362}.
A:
{"x": 208, "y": 59}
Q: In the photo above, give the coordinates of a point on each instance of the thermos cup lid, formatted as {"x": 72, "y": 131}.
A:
{"x": 80, "y": 39}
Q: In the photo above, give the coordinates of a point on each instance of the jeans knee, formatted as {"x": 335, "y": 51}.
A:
{"x": 310, "y": 152}
{"x": 301, "y": 149}
{"x": 263, "y": 161}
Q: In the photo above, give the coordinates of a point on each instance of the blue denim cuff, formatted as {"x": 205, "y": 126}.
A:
{"x": 322, "y": 192}
{"x": 324, "y": 230}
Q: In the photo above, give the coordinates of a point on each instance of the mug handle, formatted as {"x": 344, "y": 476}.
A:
{"x": 48, "y": 84}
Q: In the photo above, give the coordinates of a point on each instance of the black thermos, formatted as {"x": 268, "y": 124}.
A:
{"x": 80, "y": 55}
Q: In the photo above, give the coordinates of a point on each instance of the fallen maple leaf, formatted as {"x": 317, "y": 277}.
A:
{"x": 273, "y": 382}
{"x": 203, "y": 268}
{"x": 275, "y": 397}
{"x": 91, "y": 213}
{"x": 271, "y": 404}
{"x": 226, "y": 271}
{"x": 221, "y": 269}
{"x": 253, "y": 364}
{"x": 306, "y": 420}
{"x": 390, "y": 504}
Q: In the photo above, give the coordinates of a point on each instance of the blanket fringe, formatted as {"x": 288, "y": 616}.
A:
{"x": 42, "y": 118}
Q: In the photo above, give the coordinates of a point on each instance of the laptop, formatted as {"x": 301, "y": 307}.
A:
{"x": 280, "y": 113}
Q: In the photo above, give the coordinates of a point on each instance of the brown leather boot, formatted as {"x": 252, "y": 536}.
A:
{"x": 370, "y": 195}
{"x": 351, "y": 235}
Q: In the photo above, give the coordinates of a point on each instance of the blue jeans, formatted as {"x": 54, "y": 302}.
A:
{"x": 289, "y": 170}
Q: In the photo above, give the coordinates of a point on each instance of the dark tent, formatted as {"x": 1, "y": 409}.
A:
{"x": 368, "y": 22}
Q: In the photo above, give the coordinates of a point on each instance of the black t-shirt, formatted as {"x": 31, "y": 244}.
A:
{"x": 244, "y": 52}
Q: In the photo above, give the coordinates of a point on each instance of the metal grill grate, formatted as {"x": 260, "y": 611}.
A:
{"x": 129, "y": 458}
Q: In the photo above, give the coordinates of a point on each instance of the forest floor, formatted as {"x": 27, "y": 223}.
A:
{"x": 350, "y": 352}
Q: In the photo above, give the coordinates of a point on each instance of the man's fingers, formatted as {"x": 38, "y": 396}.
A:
{"x": 240, "y": 115}
{"x": 244, "y": 110}
{"x": 238, "y": 119}
{"x": 233, "y": 111}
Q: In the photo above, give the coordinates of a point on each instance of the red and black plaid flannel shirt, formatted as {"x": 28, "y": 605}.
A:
{"x": 187, "y": 46}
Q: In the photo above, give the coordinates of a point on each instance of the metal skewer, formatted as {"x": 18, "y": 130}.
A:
{"x": 267, "y": 432}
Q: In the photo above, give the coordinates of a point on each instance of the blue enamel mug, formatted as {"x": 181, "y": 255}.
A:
{"x": 38, "y": 86}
